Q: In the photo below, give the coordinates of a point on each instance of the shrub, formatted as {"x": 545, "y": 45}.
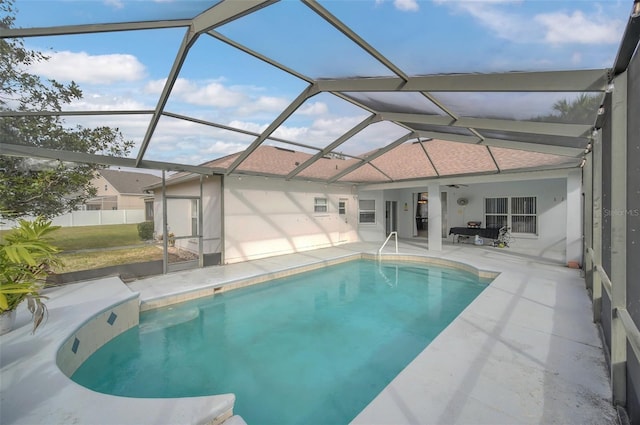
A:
{"x": 26, "y": 258}
{"x": 145, "y": 230}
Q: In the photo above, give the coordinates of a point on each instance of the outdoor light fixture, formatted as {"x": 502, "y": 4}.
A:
{"x": 635, "y": 12}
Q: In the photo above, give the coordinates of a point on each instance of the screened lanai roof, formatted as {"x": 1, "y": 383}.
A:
{"x": 337, "y": 91}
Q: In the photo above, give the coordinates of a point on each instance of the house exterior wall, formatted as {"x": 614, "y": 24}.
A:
{"x": 372, "y": 232}
{"x": 268, "y": 216}
{"x": 551, "y": 197}
{"x": 551, "y": 194}
{"x": 124, "y": 200}
{"x": 179, "y": 213}
{"x": 264, "y": 217}
{"x": 130, "y": 202}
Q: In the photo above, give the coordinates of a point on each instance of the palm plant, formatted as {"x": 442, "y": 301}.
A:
{"x": 26, "y": 258}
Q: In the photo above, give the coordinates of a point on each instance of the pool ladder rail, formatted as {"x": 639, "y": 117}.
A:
{"x": 385, "y": 243}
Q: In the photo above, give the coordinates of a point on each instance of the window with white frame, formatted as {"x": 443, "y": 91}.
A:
{"x": 367, "y": 213}
{"x": 516, "y": 212}
{"x": 524, "y": 217}
{"x": 320, "y": 205}
{"x": 496, "y": 212}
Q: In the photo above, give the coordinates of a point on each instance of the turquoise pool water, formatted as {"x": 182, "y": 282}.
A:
{"x": 314, "y": 348}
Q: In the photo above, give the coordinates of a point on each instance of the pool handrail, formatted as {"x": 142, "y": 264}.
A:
{"x": 385, "y": 243}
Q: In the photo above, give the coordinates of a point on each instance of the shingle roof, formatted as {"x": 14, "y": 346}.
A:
{"x": 129, "y": 182}
{"x": 408, "y": 161}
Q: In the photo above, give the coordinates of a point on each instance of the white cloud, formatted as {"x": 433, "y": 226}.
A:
{"x": 117, "y": 4}
{"x": 576, "y": 58}
{"x": 489, "y": 14}
{"x": 211, "y": 94}
{"x": 262, "y": 104}
{"x": 556, "y": 28}
{"x": 155, "y": 86}
{"x": 292, "y": 133}
{"x": 314, "y": 108}
{"x": 216, "y": 94}
{"x": 82, "y": 67}
{"x": 406, "y": 5}
{"x": 248, "y": 126}
{"x": 403, "y": 5}
{"x": 102, "y": 102}
{"x": 561, "y": 28}
{"x": 335, "y": 127}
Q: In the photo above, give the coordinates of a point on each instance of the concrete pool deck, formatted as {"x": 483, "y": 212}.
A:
{"x": 524, "y": 352}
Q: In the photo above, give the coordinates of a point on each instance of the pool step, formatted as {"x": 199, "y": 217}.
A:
{"x": 235, "y": 420}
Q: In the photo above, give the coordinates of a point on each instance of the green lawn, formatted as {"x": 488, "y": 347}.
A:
{"x": 97, "y": 259}
{"x": 101, "y": 243}
{"x": 102, "y": 239}
{"x": 96, "y": 237}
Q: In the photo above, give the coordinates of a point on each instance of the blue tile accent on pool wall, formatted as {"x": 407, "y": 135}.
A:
{"x": 94, "y": 333}
{"x": 76, "y": 344}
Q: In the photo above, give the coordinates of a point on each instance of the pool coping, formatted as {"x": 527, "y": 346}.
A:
{"x": 184, "y": 295}
{"x": 35, "y": 390}
{"x": 409, "y": 398}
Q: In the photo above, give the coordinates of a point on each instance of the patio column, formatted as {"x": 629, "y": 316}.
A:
{"x": 573, "y": 249}
{"x": 435, "y": 217}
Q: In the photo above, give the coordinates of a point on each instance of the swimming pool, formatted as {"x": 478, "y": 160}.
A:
{"x": 312, "y": 348}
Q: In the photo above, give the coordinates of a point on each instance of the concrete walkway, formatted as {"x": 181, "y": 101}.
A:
{"x": 524, "y": 352}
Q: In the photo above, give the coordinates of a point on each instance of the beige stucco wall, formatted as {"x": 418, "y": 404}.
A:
{"x": 268, "y": 216}
{"x": 179, "y": 213}
{"x": 125, "y": 201}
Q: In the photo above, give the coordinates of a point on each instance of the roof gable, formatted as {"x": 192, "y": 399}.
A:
{"x": 129, "y": 182}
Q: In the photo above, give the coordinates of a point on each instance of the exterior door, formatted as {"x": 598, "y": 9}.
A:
{"x": 390, "y": 214}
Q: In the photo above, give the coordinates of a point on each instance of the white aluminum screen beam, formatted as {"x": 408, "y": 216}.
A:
{"x": 550, "y": 129}
{"x": 235, "y": 130}
{"x": 259, "y": 56}
{"x": 225, "y": 12}
{"x": 340, "y": 140}
{"x": 219, "y": 14}
{"x": 550, "y": 81}
{"x": 348, "y": 32}
{"x": 373, "y": 156}
{"x": 187, "y": 42}
{"x": 534, "y": 147}
{"x": 74, "y": 113}
{"x": 508, "y": 144}
{"x": 92, "y": 28}
{"x": 618, "y": 213}
{"x": 310, "y": 91}
{"x": 25, "y": 151}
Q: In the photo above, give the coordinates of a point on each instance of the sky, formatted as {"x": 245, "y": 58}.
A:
{"x": 217, "y": 83}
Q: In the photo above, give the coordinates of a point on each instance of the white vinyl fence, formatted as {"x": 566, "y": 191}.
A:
{"x": 91, "y": 218}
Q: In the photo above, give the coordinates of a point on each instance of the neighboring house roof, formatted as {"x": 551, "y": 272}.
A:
{"x": 408, "y": 161}
{"x": 126, "y": 182}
